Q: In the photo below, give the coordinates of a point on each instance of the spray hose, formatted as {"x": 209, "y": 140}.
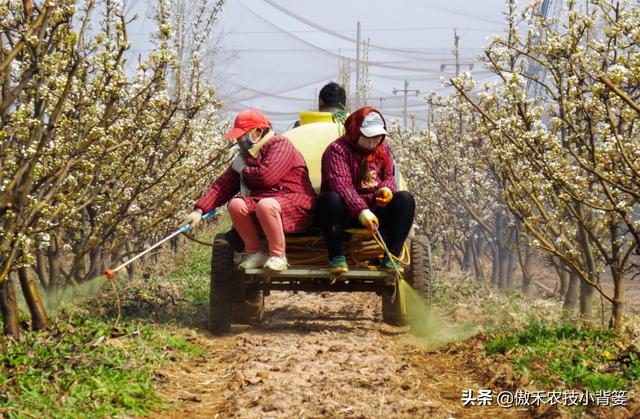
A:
{"x": 397, "y": 292}
{"x": 404, "y": 259}
{"x": 111, "y": 273}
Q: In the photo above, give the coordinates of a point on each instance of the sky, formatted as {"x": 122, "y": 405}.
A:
{"x": 275, "y": 55}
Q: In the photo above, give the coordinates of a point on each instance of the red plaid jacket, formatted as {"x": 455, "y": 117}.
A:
{"x": 278, "y": 172}
{"x": 347, "y": 171}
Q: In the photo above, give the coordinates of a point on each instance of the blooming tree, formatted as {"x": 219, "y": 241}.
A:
{"x": 96, "y": 163}
{"x": 568, "y": 159}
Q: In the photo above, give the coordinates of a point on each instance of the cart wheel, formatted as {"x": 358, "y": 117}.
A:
{"x": 221, "y": 287}
{"x": 421, "y": 271}
{"x": 418, "y": 275}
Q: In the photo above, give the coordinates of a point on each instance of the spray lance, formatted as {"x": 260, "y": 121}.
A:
{"x": 111, "y": 273}
{"x": 399, "y": 277}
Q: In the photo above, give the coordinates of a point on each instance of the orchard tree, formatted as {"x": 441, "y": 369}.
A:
{"x": 568, "y": 160}
{"x": 458, "y": 191}
{"x": 94, "y": 161}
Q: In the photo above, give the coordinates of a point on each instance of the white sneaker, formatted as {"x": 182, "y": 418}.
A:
{"x": 277, "y": 263}
{"x": 254, "y": 260}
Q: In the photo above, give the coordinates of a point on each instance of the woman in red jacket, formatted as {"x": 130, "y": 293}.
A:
{"x": 358, "y": 185}
{"x": 275, "y": 191}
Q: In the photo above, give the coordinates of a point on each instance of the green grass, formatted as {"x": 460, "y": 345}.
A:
{"x": 565, "y": 356}
{"x": 538, "y": 340}
{"x": 193, "y": 272}
{"x": 84, "y": 366}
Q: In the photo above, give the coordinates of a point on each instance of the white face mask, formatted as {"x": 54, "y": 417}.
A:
{"x": 369, "y": 143}
{"x": 246, "y": 142}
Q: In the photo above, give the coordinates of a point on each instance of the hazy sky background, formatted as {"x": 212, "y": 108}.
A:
{"x": 276, "y": 54}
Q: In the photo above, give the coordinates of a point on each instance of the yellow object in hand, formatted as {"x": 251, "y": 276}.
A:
{"x": 368, "y": 219}
{"x": 383, "y": 196}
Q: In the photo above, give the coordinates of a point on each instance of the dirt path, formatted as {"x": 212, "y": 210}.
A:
{"x": 323, "y": 355}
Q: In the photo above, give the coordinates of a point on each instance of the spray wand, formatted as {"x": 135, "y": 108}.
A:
{"x": 399, "y": 277}
{"x": 111, "y": 273}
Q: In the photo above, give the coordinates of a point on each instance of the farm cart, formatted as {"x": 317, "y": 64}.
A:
{"x": 237, "y": 295}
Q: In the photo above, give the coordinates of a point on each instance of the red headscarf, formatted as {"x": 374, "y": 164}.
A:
{"x": 352, "y": 134}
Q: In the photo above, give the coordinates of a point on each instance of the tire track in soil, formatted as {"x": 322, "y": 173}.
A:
{"x": 323, "y": 355}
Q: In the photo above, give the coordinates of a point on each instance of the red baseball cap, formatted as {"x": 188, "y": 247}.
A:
{"x": 245, "y": 122}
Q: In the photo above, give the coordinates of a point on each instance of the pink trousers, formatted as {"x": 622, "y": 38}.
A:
{"x": 269, "y": 214}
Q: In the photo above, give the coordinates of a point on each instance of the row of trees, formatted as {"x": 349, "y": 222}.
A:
{"x": 508, "y": 171}
{"x": 96, "y": 163}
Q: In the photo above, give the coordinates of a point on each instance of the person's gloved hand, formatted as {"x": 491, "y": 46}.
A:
{"x": 193, "y": 218}
{"x": 368, "y": 219}
{"x": 238, "y": 164}
{"x": 383, "y": 196}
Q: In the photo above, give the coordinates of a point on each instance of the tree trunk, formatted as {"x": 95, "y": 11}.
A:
{"x": 468, "y": 255}
{"x": 571, "y": 296}
{"x": 618, "y": 305}
{"x": 446, "y": 254}
{"x": 41, "y": 269}
{"x": 494, "y": 264}
{"x": 524, "y": 258}
{"x": 155, "y": 255}
{"x": 477, "y": 262}
{"x": 53, "y": 255}
{"x": 617, "y": 274}
{"x": 511, "y": 269}
{"x": 79, "y": 269}
{"x": 564, "y": 281}
{"x": 457, "y": 255}
{"x": 55, "y": 279}
{"x": 586, "y": 290}
{"x": 563, "y": 276}
{"x": 503, "y": 267}
{"x": 131, "y": 269}
{"x": 9, "y": 308}
{"x": 175, "y": 244}
{"x": 501, "y": 251}
{"x": 115, "y": 257}
{"x": 96, "y": 263}
{"x": 586, "y": 298}
{"x": 32, "y": 297}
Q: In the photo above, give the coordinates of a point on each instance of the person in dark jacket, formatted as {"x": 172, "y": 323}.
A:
{"x": 275, "y": 191}
{"x": 358, "y": 185}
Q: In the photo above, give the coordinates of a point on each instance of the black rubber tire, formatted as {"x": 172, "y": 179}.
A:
{"x": 391, "y": 309}
{"x": 220, "y": 296}
{"x": 251, "y": 309}
{"x": 421, "y": 271}
{"x": 418, "y": 275}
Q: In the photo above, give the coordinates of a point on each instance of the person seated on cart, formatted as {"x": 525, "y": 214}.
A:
{"x": 274, "y": 189}
{"x": 358, "y": 185}
{"x": 332, "y": 100}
